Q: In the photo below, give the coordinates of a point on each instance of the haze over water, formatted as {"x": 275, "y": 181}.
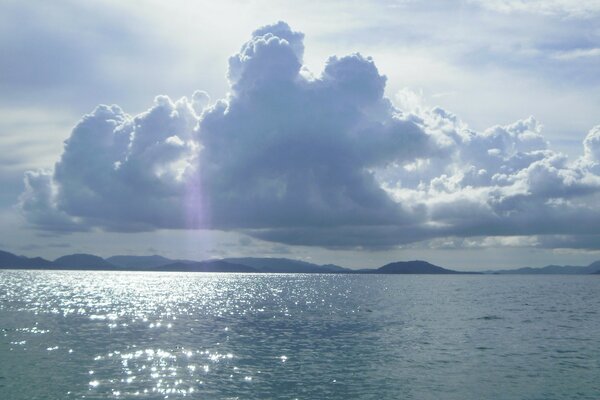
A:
{"x": 104, "y": 335}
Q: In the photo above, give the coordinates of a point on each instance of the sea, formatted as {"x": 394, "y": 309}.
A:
{"x": 160, "y": 335}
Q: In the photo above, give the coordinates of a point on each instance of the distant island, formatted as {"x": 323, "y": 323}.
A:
{"x": 240, "y": 264}
{"x": 593, "y": 268}
{"x": 91, "y": 262}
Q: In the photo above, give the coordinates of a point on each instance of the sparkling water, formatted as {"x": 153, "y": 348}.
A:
{"x": 121, "y": 335}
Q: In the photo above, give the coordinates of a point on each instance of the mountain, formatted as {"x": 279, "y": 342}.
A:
{"x": 595, "y": 266}
{"x": 285, "y": 265}
{"x": 10, "y": 260}
{"x": 554, "y": 270}
{"x": 256, "y": 264}
{"x": 83, "y": 261}
{"x": 206, "y": 266}
{"x": 73, "y": 261}
{"x": 414, "y": 267}
{"x": 547, "y": 270}
{"x": 141, "y": 262}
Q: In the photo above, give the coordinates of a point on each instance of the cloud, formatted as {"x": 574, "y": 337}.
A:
{"x": 577, "y": 53}
{"x": 591, "y": 145}
{"x": 322, "y": 160}
{"x": 563, "y": 8}
{"x": 119, "y": 172}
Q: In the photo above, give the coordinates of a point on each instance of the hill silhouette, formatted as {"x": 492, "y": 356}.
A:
{"x": 415, "y": 267}
{"x": 255, "y": 265}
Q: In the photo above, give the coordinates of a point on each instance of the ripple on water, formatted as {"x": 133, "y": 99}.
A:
{"x": 152, "y": 335}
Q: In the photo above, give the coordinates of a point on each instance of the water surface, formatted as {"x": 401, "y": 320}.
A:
{"x": 113, "y": 335}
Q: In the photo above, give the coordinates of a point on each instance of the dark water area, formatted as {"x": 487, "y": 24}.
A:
{"x": 122, "y": 335}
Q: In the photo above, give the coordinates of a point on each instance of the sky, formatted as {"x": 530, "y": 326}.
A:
{"x": 465, "y": 133}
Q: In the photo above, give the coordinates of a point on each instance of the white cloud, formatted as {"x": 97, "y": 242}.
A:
{"x": 569, "y": 8}
{"x": 326, "y": 160}
{"x": 577, "y": 53}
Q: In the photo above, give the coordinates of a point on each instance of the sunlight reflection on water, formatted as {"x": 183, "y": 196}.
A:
{"x": 175, "y": 335}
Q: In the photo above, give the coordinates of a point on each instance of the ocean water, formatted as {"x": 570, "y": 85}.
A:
{"x": 121, "y": 335}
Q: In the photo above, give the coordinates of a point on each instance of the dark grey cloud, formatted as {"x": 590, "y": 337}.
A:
{"x": 580, "y": 242}
{"x": 326, "y": 161}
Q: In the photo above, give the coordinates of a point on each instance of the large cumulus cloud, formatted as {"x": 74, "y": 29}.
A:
{"x": 326, "y": 161}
